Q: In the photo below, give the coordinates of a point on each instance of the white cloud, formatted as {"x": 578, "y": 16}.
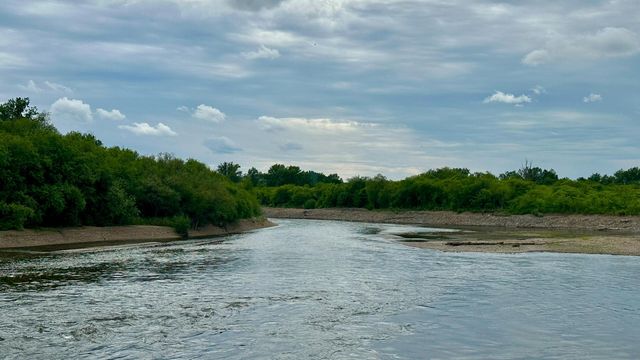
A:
{"x": 71, "y": 110}
{"x": 221, "y": 144}
{"x": 536, "y": 57}
{"x": 32, "y": 86}
{"x": 146, "y": 129}
{"x": 345, "y": 146}
{"x": 11, "y": 61}
{"x": 262, "y": 53}
{"x": 114, "y": 114}
{"x": 607, "y": 42}
{"x": 208, "y": 113}
{"x": 269, "y": 123}
{"x": 276, "y": 38}
{"x": 57, "y": 87}
{"x": 183, "y": 109}
{"x": 592, "y": 98}
{"x": 539, "y": 90}
{"x": 501, "y": 97}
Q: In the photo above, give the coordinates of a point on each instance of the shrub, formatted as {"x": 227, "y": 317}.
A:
{"x": 310, "y": 204}
{"x": 14, "y": 216}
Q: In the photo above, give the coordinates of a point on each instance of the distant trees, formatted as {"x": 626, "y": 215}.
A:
{"x": 277, "y": 175}
{"x": 531, "y": 173}
{"x": 529, "y": 190}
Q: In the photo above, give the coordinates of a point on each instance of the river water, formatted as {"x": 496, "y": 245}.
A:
{"x": 316, "y": 290}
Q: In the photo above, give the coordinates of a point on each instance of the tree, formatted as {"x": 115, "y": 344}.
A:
{"x": 628, "y": 176}
{"x": 19, "y": 108}
{"x": 532, "y": 173}
{"x": 254, "y": 177}
{"x": 231, "y": 171}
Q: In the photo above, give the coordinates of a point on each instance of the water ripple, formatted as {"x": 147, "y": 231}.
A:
{"x": 317, "y": 290}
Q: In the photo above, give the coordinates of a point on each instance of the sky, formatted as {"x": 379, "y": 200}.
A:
{"x": 356, "y": 87}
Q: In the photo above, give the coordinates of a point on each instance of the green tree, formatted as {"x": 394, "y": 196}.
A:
{"x": 231, "y": 171}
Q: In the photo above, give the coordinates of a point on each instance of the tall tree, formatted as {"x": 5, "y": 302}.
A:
{"x": 231, "y": 171}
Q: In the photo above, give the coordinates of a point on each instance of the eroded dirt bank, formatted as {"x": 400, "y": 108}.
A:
{"x": 113, "y": 234}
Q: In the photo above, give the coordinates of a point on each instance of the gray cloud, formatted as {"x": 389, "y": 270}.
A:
{"x": 254, "y": 5}
{"x": 290, "y": 146}
{"x": 222, "y": 145}
{"x": 262, "y": 52}
{"x": 417, "y": 69}
{"x": 607, "y": 42}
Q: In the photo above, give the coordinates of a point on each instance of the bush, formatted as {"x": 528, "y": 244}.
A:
{"x": 14, "y": 216}
{"x": 310, "y": 204}
{"x": 181, "y": 224}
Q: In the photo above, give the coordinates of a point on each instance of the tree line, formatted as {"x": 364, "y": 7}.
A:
{"x": 50, "y": 179}
{"x": 528, "y": 190}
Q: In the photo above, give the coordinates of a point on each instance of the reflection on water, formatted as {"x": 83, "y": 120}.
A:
{"x": 314, "y": 289}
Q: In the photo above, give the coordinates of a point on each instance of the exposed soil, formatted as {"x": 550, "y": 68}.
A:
{"x": 593, "y": 234}
{"x": 93, "y": 236}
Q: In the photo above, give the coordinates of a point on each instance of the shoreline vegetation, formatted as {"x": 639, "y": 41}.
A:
{"x": 477, "y": 232}
{"x": 54, "y": 180}
{"x": 50, "y": 180}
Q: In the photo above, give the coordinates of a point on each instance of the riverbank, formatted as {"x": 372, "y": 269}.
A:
{"x": 592, "y": 234}
{"x": 92, "y": 236}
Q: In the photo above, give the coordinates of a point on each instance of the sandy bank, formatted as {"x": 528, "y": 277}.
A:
{"x": 592, "y": 234}
{"x": 449, "y": 218}
{"x": 90, "y": 235}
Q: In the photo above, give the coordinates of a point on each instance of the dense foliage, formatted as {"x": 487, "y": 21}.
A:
{"x": 530, "y": 190}
{"x": 49, "y": 179}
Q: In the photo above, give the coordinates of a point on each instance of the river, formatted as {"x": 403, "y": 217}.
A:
{"x": 316, "y": 290}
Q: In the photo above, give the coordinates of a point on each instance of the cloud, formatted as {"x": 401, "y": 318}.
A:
{"x": 57, "y": 87}
{"x": 32, "y": 86}
{"x": 538, "y": 90}
{"x": 183, "y": 109}
{"x": 254, "y": 5}
{"x": 536, "y": 57}
{"x": 262, "y": 53}
{"x": 208, "y": 113}
{"x": 501, "y": 97}
{"x": 270, "y": 123}
{"x": 114, "y": 115}
{"x": 605, "y": 43}
{"x": 290, "y": 146}
{"x": 222, "y": 145}
{"x": 347, "y": 147}
{"x": 146, "y": 129}
{"x": 592, "y": 98}
{"x": 71, "y": 110}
